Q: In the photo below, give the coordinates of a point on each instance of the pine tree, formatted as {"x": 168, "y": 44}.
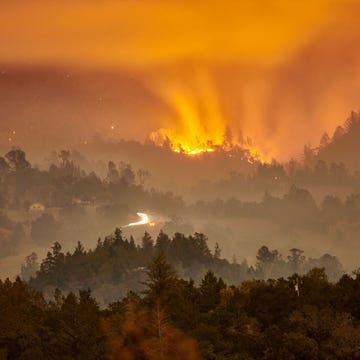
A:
{"x": 147, "y": 244}
{"x": 162, "y": 242}
{"x": 31, "y": 266}
{"x": 217, "y": 251}
{"x": 118, "y": 240}
{"x": 160, "y": 280}
{"x": 58, "y": 255}
{"x": 132, "y": 245}
{"x": 210, "y": 288}
{"x": 79, "y": 250}
{"x": 47, "y": 264}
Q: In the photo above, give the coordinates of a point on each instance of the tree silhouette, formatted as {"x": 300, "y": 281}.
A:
{"x": 160, "y": 280}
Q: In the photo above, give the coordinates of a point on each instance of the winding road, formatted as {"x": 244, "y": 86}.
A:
{"x": 144, "y": 219}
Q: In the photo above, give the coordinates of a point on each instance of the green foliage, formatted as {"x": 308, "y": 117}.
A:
{"x": 176, "y": 319}
{"x": 117, "y": 265}
{"x": 160, "y": 279}
{"x": 210, "y": 288}
{"x": 32, "y": 328}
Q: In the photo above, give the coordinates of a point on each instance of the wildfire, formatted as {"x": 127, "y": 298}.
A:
{"x": 181, "y": 144}
{"x": 198, "y": 126}
{"x": 193, "y": 137}
{"x": 256, "y": 155}
{"x": 195, "y": 147}
{"x": 194, "y": 151}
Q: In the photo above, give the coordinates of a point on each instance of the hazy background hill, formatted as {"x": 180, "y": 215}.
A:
{"x": 344, "y": 145}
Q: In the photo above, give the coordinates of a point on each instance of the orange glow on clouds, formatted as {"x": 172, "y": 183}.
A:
{"x": 199, "y": 125}
{"x": 147, "y": 32}
{"x": 277, "y": 72}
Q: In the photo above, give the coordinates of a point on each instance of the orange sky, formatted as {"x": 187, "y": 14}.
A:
{"x": 142, "y": 33}
{"x": 280, "y": 72}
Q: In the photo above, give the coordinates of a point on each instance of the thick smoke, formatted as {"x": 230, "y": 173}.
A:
{"x": 276, "y": 75}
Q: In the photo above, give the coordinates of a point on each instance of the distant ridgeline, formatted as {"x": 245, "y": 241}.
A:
{"x": 116, "y": 266}
{"x": 344, "y": 145}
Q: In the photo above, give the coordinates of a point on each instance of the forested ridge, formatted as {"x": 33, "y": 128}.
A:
{"x": 65, "y": 203}
{"x": 116, "y": 265}
{"x": 301, "y": 317}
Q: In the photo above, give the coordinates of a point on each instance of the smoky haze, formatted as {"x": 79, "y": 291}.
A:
{"x": 215, "y": 119}
{"x": 275, "y": 85}
{"x": 240, "y": 203}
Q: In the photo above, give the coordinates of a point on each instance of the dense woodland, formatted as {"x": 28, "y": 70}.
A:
{"x": 117, "y": 265}
{"x": 301, "y": 317}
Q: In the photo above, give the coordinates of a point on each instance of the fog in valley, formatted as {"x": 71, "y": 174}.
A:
{"x": 240, "y": 204}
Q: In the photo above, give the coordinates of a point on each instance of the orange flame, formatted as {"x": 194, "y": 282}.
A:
{"x": 200, "y": 127}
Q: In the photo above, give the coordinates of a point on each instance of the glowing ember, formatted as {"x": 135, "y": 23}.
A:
{"x": 256, "y": 155}
{"x": 193, "y": 147}
{"x": 180, "y": 144}
{"x": 193, "y": 151}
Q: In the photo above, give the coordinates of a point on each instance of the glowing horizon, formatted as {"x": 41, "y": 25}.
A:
{"x": 280, "y": 73}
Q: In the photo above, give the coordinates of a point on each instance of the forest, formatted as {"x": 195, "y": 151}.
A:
{"x": 116, "y": 265}
{"x": 299, "y": 317}
{"x": 167, "y": 289}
